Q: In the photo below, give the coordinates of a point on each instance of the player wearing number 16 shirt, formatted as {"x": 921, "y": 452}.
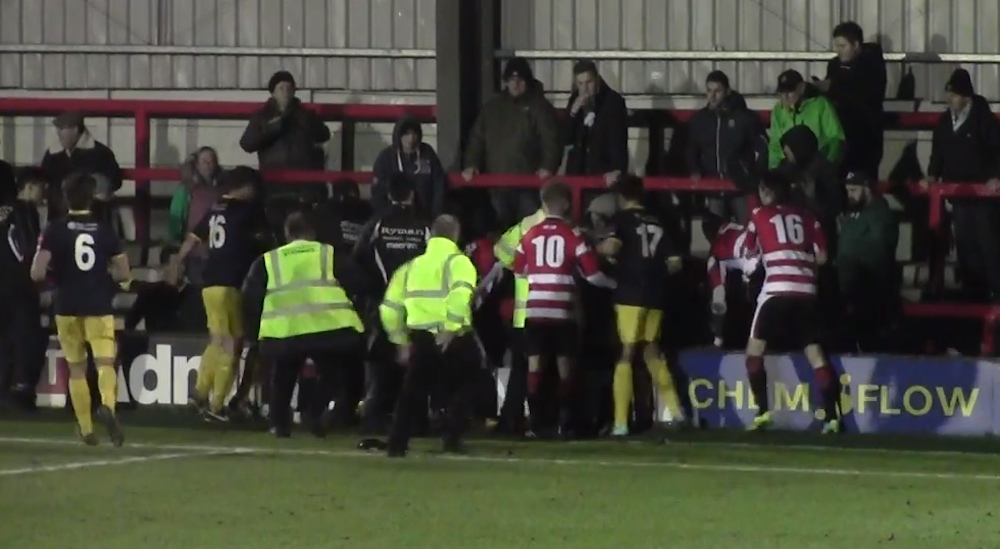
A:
{"x": 645, "y": 256}
{"x": 550, "y": 256}
{"x": 85, "y": 258}
{"x": 787, "y": 241}
{"x": 233, "y": 229}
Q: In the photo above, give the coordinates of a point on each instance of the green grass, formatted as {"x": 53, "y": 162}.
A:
{"x": 177, "y": 484}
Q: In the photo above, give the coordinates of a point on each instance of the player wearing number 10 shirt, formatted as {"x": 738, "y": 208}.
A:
{"x": 645, "y": 257}
{"x": 550, "y": 256}
{"x": 233, "y": 229}
{"x": 788, "y": 243}
{"x": 85, "y": 258}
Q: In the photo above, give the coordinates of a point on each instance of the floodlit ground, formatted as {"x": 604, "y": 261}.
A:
{"x": 189, "y": 487}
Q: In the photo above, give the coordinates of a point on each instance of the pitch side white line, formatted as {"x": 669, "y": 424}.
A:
{"x": 101, "y": 463}
{"x": 194, "y": 450}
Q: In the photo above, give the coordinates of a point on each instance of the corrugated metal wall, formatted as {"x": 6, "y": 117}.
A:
{"x": 964, "y": 26}
{"x": 234, "y": 23}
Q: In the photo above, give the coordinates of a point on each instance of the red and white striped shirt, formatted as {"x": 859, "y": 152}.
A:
{"x": 549, "y": 256}
{"x": 786, "y": 240}
{"x": 726, "y": 253}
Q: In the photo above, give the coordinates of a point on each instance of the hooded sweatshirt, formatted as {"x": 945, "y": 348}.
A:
{"x": 816, "y": 112}
{"x": 423, "y": 165}
{"x": 814, "y": 175}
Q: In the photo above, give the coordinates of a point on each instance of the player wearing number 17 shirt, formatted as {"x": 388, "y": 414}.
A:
{"x": 788, "y": 243}
{"x": 233, "y": 229}
{"x": 645, "y": 256}
{"x": 550, "y": 256}
{"x": 86, "y": 260}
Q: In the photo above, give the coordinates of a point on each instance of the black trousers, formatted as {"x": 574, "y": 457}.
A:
{"x": 977, "y": 242}
{"x": 315, "y": 394}
{"x": 451, "y": 374}
{"x": 383, "y": 380}
{"x": 23, "y": 342}
{"x": 512, "y": 411}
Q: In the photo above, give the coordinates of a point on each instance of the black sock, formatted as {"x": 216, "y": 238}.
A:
{"x": 758, "y": 382}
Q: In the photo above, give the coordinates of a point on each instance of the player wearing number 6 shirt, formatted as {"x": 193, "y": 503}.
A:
{"x": 788, "y": 243}
{"x": 644, "y": 256}
{"x": 549, "y": 256}
{"x": 234, "y": 229}
{"x": 86, "y": 259}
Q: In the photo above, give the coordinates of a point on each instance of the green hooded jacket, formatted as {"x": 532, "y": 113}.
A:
{"x": 814, "y": 111}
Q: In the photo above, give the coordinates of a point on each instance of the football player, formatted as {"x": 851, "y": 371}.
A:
{"x": 87, "y": 262}
{"x": 644, "y": 256}
{"x": 233, "y": 229}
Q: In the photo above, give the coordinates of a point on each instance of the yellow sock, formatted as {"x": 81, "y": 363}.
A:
{"x": 665, "y": 385}
{"x": 107, "y": 383}
{"x": 206, "y": 370}
{"x": 622, "y": 389}
{"x": 224, "y": 373}
{"x": 79, "y": 393}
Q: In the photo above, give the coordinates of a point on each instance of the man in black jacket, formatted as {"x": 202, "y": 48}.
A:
{"x": 22, "y": 340}
{"x": 723, "y": 133}
{"x": 598, "y": 126}
{"x": 340, "y": 220}
{"x": 285, "y": 134}
{"x": 855, "y": 83}
{"x": 966, "y": 149}
{"x": 409, "y": 155}
{"x": 8, "y": 182}
{"x": 393, "y": 237}
{"x": 78, "y": 152}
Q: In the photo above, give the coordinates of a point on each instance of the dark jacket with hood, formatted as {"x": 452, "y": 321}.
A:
{"x": 969, "y": 153}
{"x": 815, "y": 176}
{"x": 515, "y": 135}
{"x": 423, "y": 165}
{"x": 598, "y": 134}
{"x": 857, "y": 91}
{"x": 720, "y": 136}
{"x": 20, "y": 228}
{"x": 289, "y": 142}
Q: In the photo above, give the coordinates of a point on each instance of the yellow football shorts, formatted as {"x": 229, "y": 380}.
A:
{"x": 638, "y": 324}
{"x": 75, "y": 332}
{"x": 223, "y": 310}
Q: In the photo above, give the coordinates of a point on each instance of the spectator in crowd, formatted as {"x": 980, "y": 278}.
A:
{"x": 78, "y": 152}
{"x": 8, "y": 182}
{"x": 965, "y": 149}
{"x": 409, "y": 155}
{"x": 516, "y": 133}
{"x": 197, "y": 192}
{"x": 814, "y": 176}
{"x": 725, "y": 132}
{"x": 801, "y": 104}
{"x": 22, "y": 340}
{"x": 866, "y": 263}
{"x": 598, "y": 126}
{"x": 285, "y": 134}
{"x": 200, "y": 175}
{"x": 855, "y": 82}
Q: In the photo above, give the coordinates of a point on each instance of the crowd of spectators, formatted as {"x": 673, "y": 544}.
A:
{"x": 825, "y": 132}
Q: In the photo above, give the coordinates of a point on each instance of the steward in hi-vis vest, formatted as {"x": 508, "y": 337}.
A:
{"x": 306, "y": 317}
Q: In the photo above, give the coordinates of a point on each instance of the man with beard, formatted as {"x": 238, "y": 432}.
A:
{"x": 866, "y": 263}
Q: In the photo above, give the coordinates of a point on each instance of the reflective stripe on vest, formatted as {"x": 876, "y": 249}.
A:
{"x": 279, "y": 286}
{"x": 441, "y": 293}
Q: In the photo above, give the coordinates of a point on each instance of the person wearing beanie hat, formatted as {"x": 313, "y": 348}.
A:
{"x": 516, "y": 132}
{"x": 964, "y": 149}
{"x": 866, "y": 264}
{"x": 284, "y": 134}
